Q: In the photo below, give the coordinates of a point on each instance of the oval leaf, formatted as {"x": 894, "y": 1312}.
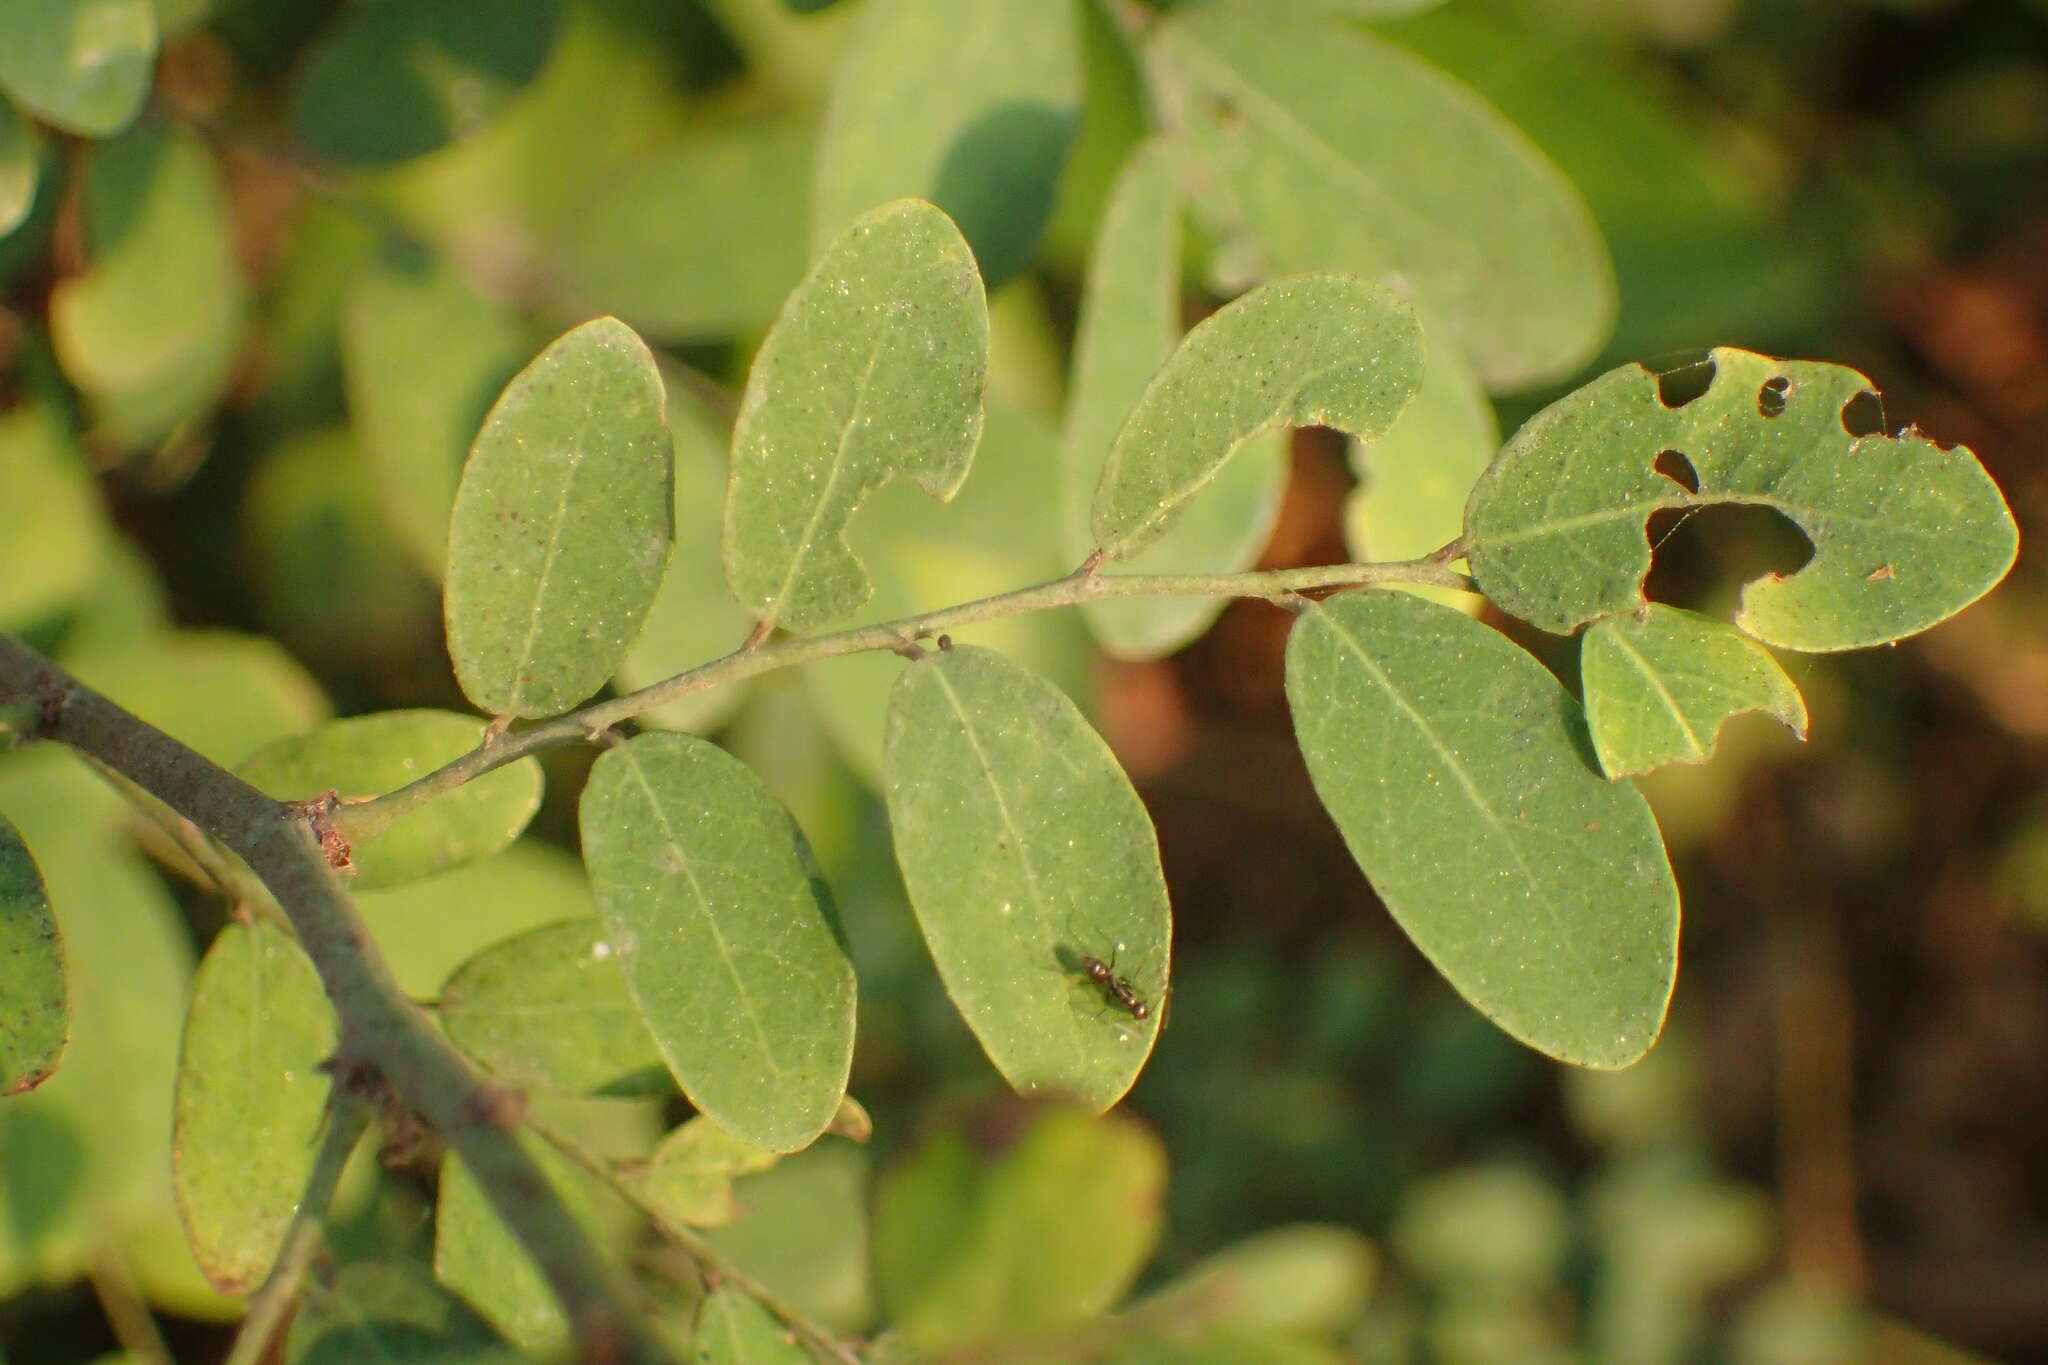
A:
{"x": 250, "y": 1102}
{"x": 1129, "y": 322}
{"x": 968, "y": 103}
{"x": 562, "y": 525}
{"x": 83, "y": 65}
{"x": 971, "y": 1249}
{"x": 395, "y": 81}
{"x": 371, "y": 755}
{"x": 152, "y": 329}
{"x": 52, "y": 532}
{"x": 550, "y": 1010}
{"x": 36, "y": 1018}
{"x": 1325, "y": 148}
{"x": 1905, "y": 533}
{"x": 1454, "y": 765}
{"x": 21, "y": 164}
{"x": 873, "y": 372}
{"x": 729, "y": 943}
{"x": 1318, "y": 350}
{"x": 477, "y": 1256}
{"x": 1659, "y": 686}
{"x": 1027, "y": 854}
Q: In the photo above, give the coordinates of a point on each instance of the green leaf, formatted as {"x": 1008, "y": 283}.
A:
{"x": 477, "y": 1256}
{"x": 423, "y": 356}
{"x": 221, "y": 693}
{"x": 37, "y": 1017}
{"x": 562, "y": 524}
{"x": 1321, "y": 147}
{"x": 83, "y": 65}
{"x": 734, "y": 1329}
{"x": 693, "y": 619}
{"x": 726, "y": 933}
{"x": 1659, "y": 685}
{"x": 21, "y": 166}
{"x": 51, "y": 530}
{"x": 393, "y": 81}
{"x": 1225, "y": 1347}
{"x": 371, "y": 755}
{"x": 1456, "y": 768}
{"x": 392, "y": 1313}
{"x": 152, "y": 329}
{"x": 1026, "y": 852}
{"x": 1304, "y": 1278}
{"x": 690, "y": 1176}
{"x": 873, "y": 372}
{"x": 1905, "y": 533}
{"x": 251, "y": 1100}
{"x": 427, "y": 929}
{"x": 1050, "y": 1232}
{"x": 971, "y": 104}
{"x": 699, "y": 239}
{"x": 1129, "y": 323}
{"x": 549, "y": 1010}
{"x": 803, "y": 1234}
{"x": 1318, "y": 350}
{"x": 989, "y": 539}
{"x": 1413, "y": 480}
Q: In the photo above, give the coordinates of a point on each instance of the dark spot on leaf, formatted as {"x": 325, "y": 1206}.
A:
{"x": 1770, "y": 395}
{"x": 1863, "y": 415}
{"x": 1674, "y": 466}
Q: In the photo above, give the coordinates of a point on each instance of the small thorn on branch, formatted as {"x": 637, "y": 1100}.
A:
{"x": 318, "y": 813}
{"x": 759, "y": 636}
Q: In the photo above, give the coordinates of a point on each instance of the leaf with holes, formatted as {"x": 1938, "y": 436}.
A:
{"x": 370, "y": 755}
{"x": 1027, "y": 853}
{"x": 251, "y": 1100}
{"x": 1659, "y": 685}
{"x": 1130, "y": 320}
{"x": 968, "y": 103}
{"x": 726, "y": 932}
{"x": 873, "y": 372}
{"x": 37, "y": 1016}
{"x": 549, "y": 1010}
{"x": 1313, "y": 350}
{"x": 562, "y": 525}
{"x": 1905, "y": 533}
{"x": 1318, "y": 146}
{"x": 1456, "y": 768}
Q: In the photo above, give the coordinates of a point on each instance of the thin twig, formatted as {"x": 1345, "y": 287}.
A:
{"x": 1085, "y": 584}
{"x": 710, "y": 1263}
{"x": 134, "y": 1326}
{"x": 347, "y": 1120}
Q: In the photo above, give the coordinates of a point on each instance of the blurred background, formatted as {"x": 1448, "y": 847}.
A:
{"x": 230, "y": 410}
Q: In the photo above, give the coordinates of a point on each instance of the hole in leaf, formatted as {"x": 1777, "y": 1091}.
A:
{"x": 1682, "y": 376}
{"x": 1863, "y": 415}
{"x": 1674, "y": 466}
{"x": 1705, "y": 554}
{"x": 1770, "y": 396}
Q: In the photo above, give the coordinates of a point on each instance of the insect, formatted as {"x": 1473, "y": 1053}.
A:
{"x": 1117, "y": 988}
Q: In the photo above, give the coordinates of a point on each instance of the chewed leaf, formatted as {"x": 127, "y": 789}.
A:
{"x": 250, "y": 1100}
{"x": 1319, "y": 146}
{"x": 712, "y": 905}
{"x": 1313, "y": 350}
{"x": 873, "y": 372}
{"x": 1905, "y": 533}
{"x": 37, "y": 1017}
{"x": 561, "y": 526}
{"x": 1027, "y": 855}
{"x": 1658, "y": 687}
{"x": 1453, "y": 764}
{"x": 374, "y": 754}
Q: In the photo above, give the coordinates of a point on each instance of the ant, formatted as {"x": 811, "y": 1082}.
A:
{"x": 1118, "y": 988}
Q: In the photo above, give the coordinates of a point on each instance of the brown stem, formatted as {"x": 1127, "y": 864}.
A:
{"x": 384, "y": 1036}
